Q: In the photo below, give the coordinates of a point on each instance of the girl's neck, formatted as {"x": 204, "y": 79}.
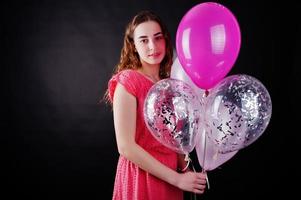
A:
{"x": 151, "y": 71}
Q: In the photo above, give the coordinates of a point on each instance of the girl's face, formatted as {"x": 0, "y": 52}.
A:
{"x": 149, "y": 42}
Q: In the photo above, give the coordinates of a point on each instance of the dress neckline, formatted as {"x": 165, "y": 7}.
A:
{"x": 145, "y": 77}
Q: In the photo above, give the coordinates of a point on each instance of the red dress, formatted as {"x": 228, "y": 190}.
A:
{"x": 131, "y": 182}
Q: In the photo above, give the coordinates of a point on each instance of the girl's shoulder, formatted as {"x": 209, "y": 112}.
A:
{"x": 128, "y": 78}
{"x": 127, "y": 72}
{"x": 127, "y": 75}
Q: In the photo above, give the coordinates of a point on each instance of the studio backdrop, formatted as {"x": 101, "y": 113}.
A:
{"x": 58, "y": 136}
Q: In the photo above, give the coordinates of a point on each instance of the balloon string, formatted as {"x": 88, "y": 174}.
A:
{"x": 204, "y": 158}
{"x": 188, "y": 160}
{"x": 204, "y": 151}
{"x": 207, "y": 179}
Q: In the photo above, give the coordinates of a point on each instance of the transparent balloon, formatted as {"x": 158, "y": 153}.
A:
{"x": 238, "y": 111}
{"x": 177, "y": 72}
{"x": 208, "y": 154}
{"x": 172, "y": 113}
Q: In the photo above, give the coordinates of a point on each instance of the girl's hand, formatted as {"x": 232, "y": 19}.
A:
{"x": 192, "y": 182}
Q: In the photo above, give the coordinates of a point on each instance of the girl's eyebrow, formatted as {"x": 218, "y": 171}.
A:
{"x": 157, "y": 33}
{"x": 143, "y": 36}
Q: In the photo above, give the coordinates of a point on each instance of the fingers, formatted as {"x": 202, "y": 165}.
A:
{"x": 193, "y": 182}
{"x": 197, "y": 191}
{"x": 199, "y": 186}
{"x": 201, "y": 175}
{"x": 200, "y": 178}
{"x": 201, "y": 181}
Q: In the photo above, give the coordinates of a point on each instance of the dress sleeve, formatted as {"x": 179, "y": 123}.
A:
{"x": 127, "y": 78}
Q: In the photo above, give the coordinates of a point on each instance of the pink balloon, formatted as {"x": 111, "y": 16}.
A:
{"x": 208, "y": 154}
{"x": 208, "y": 42}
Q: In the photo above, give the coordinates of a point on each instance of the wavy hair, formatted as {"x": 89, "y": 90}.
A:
{"x": 129, "y": 58}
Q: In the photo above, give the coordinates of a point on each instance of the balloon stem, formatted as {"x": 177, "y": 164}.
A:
{"x": 207, "y": 179}
{"x": 194, "y": 194}
{"x": 204, "y": 158}
{"x": 204, "y": 152}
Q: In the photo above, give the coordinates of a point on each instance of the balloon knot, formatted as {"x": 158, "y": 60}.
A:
{"x": 206, "y": 93}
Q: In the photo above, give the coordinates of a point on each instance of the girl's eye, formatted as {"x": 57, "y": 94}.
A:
{"x": 144, "y": 41}
{"x": 159, "y": 37}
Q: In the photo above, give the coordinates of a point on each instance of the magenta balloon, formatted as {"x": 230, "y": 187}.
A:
{"x": 208, "y": 42}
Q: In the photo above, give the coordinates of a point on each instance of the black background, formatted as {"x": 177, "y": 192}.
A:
{"x": 58, "y": 141}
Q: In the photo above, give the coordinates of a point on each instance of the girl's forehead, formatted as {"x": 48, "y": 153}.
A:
{"x": 148, "y": 28}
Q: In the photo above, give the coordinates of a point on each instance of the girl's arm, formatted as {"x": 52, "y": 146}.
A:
{"x": 124, "y": 110}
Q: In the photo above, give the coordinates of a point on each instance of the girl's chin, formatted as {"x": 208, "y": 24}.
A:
{"x": 154, "y": 61}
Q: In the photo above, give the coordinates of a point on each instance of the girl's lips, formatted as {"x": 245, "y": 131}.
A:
{"x": 154, "y": 55}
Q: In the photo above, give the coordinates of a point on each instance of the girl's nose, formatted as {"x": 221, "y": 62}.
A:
{"x": 151, "y": 44}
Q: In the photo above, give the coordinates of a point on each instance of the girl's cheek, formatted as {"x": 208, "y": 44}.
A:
{"x": 162, "y": 44}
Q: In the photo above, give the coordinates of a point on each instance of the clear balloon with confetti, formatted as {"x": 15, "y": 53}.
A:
{"x": 172, "y": 113}
{"x": 238, "y": 111}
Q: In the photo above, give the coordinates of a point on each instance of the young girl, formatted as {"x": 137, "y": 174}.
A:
{"x": 146, "y": 169}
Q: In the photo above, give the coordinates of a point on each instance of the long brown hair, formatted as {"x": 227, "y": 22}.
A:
{"x": 129, "y": 58}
